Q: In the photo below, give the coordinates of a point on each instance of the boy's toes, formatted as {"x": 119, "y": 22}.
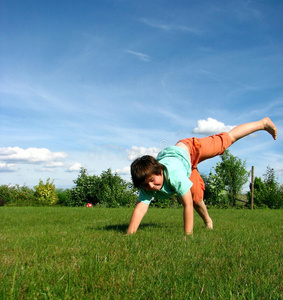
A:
{"x": 270, "y": 127}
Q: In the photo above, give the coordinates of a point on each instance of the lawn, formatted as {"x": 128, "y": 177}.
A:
{"x": 83, "y": 253}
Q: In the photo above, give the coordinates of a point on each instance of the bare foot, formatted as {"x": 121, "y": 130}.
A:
{"x": 209, "y": 225}
{"x": 270, "y": 127}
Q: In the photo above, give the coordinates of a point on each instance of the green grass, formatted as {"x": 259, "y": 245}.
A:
{"x": 81, "y": 253}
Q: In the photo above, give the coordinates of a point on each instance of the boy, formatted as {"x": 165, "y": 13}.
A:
{"x": 175, "y": 171}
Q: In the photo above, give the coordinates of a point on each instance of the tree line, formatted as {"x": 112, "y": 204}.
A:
{"x": 223, "y": 189}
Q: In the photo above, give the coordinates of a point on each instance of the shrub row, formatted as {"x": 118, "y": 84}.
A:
{"x": 107, "y": 190}
{"x": 42, "y": 194}
{"x": 110, "y": 190}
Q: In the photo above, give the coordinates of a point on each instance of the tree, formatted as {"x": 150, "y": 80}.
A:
{"x": 230, "y": 176}
{"x": 232, "y": 171}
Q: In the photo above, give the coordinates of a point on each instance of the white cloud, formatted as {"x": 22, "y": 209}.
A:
{"x": 136, "y": 152}
{"x": 4, "y": 167}
{"x": 75, "y": 167}
{"x": 29, "y": 155}
{"x": 211, "y": 126}
{"x": 123, "y": 171}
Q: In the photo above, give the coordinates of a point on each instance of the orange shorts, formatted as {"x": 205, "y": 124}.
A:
{"x": 200, "y": 150}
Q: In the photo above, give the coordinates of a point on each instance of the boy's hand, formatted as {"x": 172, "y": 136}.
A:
{"x": 188, "y": 214}
{"x": 189, "y": 233}
{"x": 138, "y": 214}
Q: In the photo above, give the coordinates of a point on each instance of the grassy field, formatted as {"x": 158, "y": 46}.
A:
{"x": 82, "y": 253}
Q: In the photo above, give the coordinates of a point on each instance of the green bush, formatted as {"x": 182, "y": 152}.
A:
{"x": 108, "y": 190}
{"x": 63, "y": 196}
{"x": 46, "y": 193}
{"x": 114, "y": 191}
{"x": 215, "y": 193}
{"x": 6, "y": 195}
{"x": 267, "y": 192}
{"x": 25, "y": 196}
{"x": 85, "y": 190}
{"x": 172, "y": 202}
{"x": 17, "y": 196}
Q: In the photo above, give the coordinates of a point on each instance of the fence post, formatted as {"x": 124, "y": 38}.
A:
{"x": 252, "y": 188}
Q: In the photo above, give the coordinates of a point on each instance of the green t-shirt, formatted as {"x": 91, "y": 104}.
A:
{"x": 176, "y": 175}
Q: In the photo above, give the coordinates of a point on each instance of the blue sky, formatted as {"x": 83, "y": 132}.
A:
{"x": 96, "y": 83}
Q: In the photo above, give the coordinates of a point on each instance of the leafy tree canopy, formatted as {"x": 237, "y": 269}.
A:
{"x": 228, "y": 179}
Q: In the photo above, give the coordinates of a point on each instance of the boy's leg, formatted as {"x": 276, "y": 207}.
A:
{"x": 197, "y": 194}
{"x": 201, "y": 209}
{"x": 208, "y": 147}
{"x": 245, "y": 129}
{"x": 199, "y": 150}
{"x": 205, "y": 148}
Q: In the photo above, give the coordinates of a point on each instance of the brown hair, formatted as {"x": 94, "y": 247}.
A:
{"x": 143, "y": 167}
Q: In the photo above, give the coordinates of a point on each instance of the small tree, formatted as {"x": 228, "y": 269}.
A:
{"x": 233, "y": 173}
{"x": 46, "y": 193}
{"x": 226, "y": 182}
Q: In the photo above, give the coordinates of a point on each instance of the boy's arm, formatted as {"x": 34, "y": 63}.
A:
{"x": 138, "y": 214}
{"x": 187, "y": 202}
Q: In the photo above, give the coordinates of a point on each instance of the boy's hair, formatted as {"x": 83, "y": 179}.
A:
{"x": 143, "y": 167}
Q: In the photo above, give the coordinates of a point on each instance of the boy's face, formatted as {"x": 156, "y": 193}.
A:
{"x": 153, "y": 182}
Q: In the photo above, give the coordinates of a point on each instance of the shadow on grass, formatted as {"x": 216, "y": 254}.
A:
{"x": 123, "y": 227}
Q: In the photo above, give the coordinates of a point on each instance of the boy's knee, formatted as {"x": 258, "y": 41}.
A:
{"x": 232, "y": 137}
{"x": 198, "y": 203}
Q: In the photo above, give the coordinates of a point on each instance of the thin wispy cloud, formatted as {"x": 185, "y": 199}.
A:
{"x": 139, "y": 55}
{"x": 54, "y": 164}
{"x": 170, "y": 27}
{"x": 34, "y": 96}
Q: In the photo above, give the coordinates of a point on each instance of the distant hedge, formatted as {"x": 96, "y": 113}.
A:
{"x": 110, "y": 190}
{"x": 107, "y": 190}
